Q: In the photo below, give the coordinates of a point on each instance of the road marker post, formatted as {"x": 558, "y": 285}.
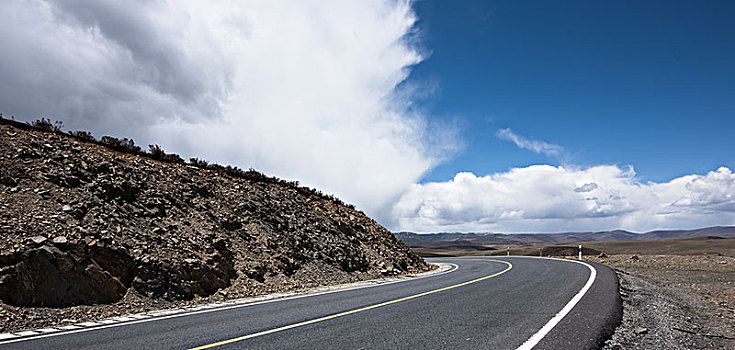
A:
{"x": 539, "y": 252}
{"x": 580, "y": 252}
{"x": 507, "y": 252}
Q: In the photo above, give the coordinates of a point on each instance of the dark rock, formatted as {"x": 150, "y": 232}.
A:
{"x": 79, "y": 212}
{"x": 102, "y": 167}
{"x": 202, "y": 191}
{"x": 157, "y": 283}
{"x": 255, "y": 271}
{"x": 49, "y": 277}
{"x": 231, "y": 225}
{"x": 63, "y": 180}
{"x": 7, "y": 180}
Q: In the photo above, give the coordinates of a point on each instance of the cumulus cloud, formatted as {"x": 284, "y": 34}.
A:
{"x": 307, "y": 90}
{"x": 302, "y": 90}
{"x": 587, "y": 187}
{"x": 114, "y": 67}
{"x": 545, "y": 198}
{"x": 529, "y": 144}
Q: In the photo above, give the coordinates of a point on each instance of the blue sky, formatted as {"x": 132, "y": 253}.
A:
{"x": 644, "y": 83}
{"x": 503, "y": 116}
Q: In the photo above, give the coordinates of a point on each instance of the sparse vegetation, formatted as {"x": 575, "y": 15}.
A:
{"x": 47, "y": 125}
{"x": 125, "y": 144}
{"x": 156, "y": 152}
{"x": 86, "y": 135}
{"x": 198, "y": 162}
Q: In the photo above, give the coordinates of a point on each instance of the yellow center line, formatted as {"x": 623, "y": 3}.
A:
{"x": 354, "y": 311}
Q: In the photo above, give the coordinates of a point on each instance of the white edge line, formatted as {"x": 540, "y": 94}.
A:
{"x": 536, "y": 338}
{"x": 235, "y": 306}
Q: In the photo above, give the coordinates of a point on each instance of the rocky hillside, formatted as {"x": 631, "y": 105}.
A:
{"x": 83, "y": 223}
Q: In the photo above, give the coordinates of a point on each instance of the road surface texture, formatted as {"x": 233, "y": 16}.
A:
{"x": 498, "y": 303}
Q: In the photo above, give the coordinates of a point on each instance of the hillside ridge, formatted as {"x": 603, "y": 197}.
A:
{"x": 87, "y": 224}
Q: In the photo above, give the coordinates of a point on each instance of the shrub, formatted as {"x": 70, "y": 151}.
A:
{"x": 198, "y": 162}
{"x": 86, "y": 135}
{"x": 47, "y": 125}
{"x": 174, "y": 158}
{"x": 158, "y": 153}
{"x": 125, "y": 144}
{"x": 215, "y": 166}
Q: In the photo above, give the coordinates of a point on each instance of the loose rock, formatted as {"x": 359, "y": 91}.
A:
{"x": 138, "y": 233}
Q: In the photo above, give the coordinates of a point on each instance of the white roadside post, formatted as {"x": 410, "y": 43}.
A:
{"x": 507, "y": 252}
{"x": 580, "y": 252}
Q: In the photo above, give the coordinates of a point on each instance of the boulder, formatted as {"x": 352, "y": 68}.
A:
{"x": 38, "y": 240}
{"x": 47, "y": 276}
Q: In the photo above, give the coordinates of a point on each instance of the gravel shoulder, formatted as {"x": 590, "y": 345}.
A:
{"x": 674, "y": 302}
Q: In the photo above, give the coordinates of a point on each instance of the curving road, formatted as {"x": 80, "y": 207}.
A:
{"x": 503, "y": 303}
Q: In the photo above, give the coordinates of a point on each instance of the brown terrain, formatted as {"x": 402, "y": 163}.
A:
{"x": 674, "y": 301}
{"x": 677, "y": 293}
{"x": 93, "y": 229}
{"x": 703, "y": 241}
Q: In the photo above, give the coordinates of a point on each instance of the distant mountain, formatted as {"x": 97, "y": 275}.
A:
{"x": 533, "y": 238}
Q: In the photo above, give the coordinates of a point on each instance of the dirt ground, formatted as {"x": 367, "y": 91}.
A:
{"x": 674, "y": 301}
{"x": 707, "y": 245}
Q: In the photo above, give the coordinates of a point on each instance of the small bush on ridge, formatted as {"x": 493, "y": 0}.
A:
{"x": 157, "y": 153}
{"x": 47, "y": 125}
{"x": 86, "y": 135}
{"x": 125, "y": 144}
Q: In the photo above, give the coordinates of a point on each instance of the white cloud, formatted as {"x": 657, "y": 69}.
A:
{"x": 545, "y": 198}
{"x": 111, "y": 66}
{"x": 531, "y": 145}
{"x": 587, "y": 187}
{"x": 298, "y": 89}
{"x": 307, "y": 90}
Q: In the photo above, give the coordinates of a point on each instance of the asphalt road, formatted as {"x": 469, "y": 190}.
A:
{"x": 483, "y": 304}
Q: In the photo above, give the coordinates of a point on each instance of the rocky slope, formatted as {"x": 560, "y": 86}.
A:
{"x": 84, "y": 224}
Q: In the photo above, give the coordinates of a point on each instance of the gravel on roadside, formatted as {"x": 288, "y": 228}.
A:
{"x": 674, "y": 302}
